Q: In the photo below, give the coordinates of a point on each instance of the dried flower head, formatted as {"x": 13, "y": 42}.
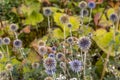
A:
{"x": 17, "y": 43}
{"x": 84, "y": 43}
{"x": 64, "y": 19}
{"x": 76, "y": 65}
{"x": 113, "y": 17}
{"x": 47, "y": 12}
{"x": 69, "y": 25}
{"x": 84, "y": 12}
{"x": 42, "y": 50}
{"x": 50, "y": 72}
{"x": 13, "y": 27}
{"x": 82, "y": 4}
{"x": 70, "y": 40}
{"x": 41, "y": 43}
{"x": 60, "y": 56}
{"x": 3, "y": 75}
{"x": 49, "y": 63}
{"x": 9, "y": 67}
{"x": 35, "y": 65}
{"x": 6, "y": 40}
{"x": 91, "y": 4}
{"x": 62, "y": 65}
{"x": 1, "y": 55}
{"x": 48, "y": 78}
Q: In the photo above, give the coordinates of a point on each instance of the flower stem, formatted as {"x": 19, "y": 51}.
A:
{"x": 48, "y": 24}
{"x": 85, "y": 65}
{"x": 8, "y": 53}
{"x": 105, "y": 64}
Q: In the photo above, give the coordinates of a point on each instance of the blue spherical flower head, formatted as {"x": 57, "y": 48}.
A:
{"x": 47, "y": 12}
{"x": 76, "y": 65}
{"x": 60, "y": 56}
{"x": 49, "y": 63}
{"x": 113, "y": 17}
{"x": 42, "y": 50}
{"x": 6, "y": 40}
{"x": 13, "y": 27}
{"x": 54, "y": 48}
{"x": 51, "y": 55}
{"x": 84, "y": 12}
{"x": 84, "y": 43}
{"x": 50, "y": 72}
{"x": 69, "y": 25}
{"x": 70, "y": 40}
{"x": 17, "y": 43}
{"x": 91, "y": 4}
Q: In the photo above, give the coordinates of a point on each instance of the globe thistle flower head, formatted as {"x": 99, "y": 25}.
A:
{"x": 47, "y": 12}
{"x": 76, "y": 65}
{"x": 42, "y": 50}
{"x": 69, "y": 25}
{"x": 6, "y": 40}
{"x": 50, "y": 72}
{"x": 60, "y": 56}
{"x": 13, "y": 27}
{"x": 62, "y": 65}
{"x": 41, "y": 43}
{"x": 70, "y": 40}
{"x": 49, "y": 63}
{"x": 64, "y": 19}
{"x": 54, "y": 48}
{"x": 52, "y": 55}
{"x": 82, "y": 4}
{"x": 113, "y": 17}
{"x": 1, "y": 41}
{"x": 17, "y": 43}
{"x": 35, "y": 65}
{"x": 91, "y": 4}
{"x": 84, "y": 12}
{"x": 9, "y": 67}
{"x": 84, "y": 43}
{"x": 48, "y": 78}
{"x": 1, "y": 55}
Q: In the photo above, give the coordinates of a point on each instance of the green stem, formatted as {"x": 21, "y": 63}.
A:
{"x": 8, "y": 53}
{"x": 85, "y": 65}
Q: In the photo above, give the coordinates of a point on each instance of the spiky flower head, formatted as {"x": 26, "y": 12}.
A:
{"x": 6, "y": 40}
{"x": 82, "y": 4}
{"x": 52, "y": 55}
{"x": 9, "y": 67}
{"x": 70, "y": 40}
{"x": 113, "y": 17}
{"x": 60, "y": 56}
{"x": 62, "y": 65}
{"x": 35, "y": 65}
{"x": 69, "y": 25}
{"x": 17, "y": 43}
{"x": 51, "y": 71}
{"x": 13, "y": 27}
{"x": 91, "y": 4}
{"x": 64, "y": 19}
{"x": 84, "y": 13}
{"x": 42, "y": 50}
{"x": 41, "y": 43}
{"x": 48, "y": 78}
{"x": 50, "y": 63}
{"x": 76, "y": 65}
{"x": 47, "y": 11}
{"x": 84, "y": 43}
